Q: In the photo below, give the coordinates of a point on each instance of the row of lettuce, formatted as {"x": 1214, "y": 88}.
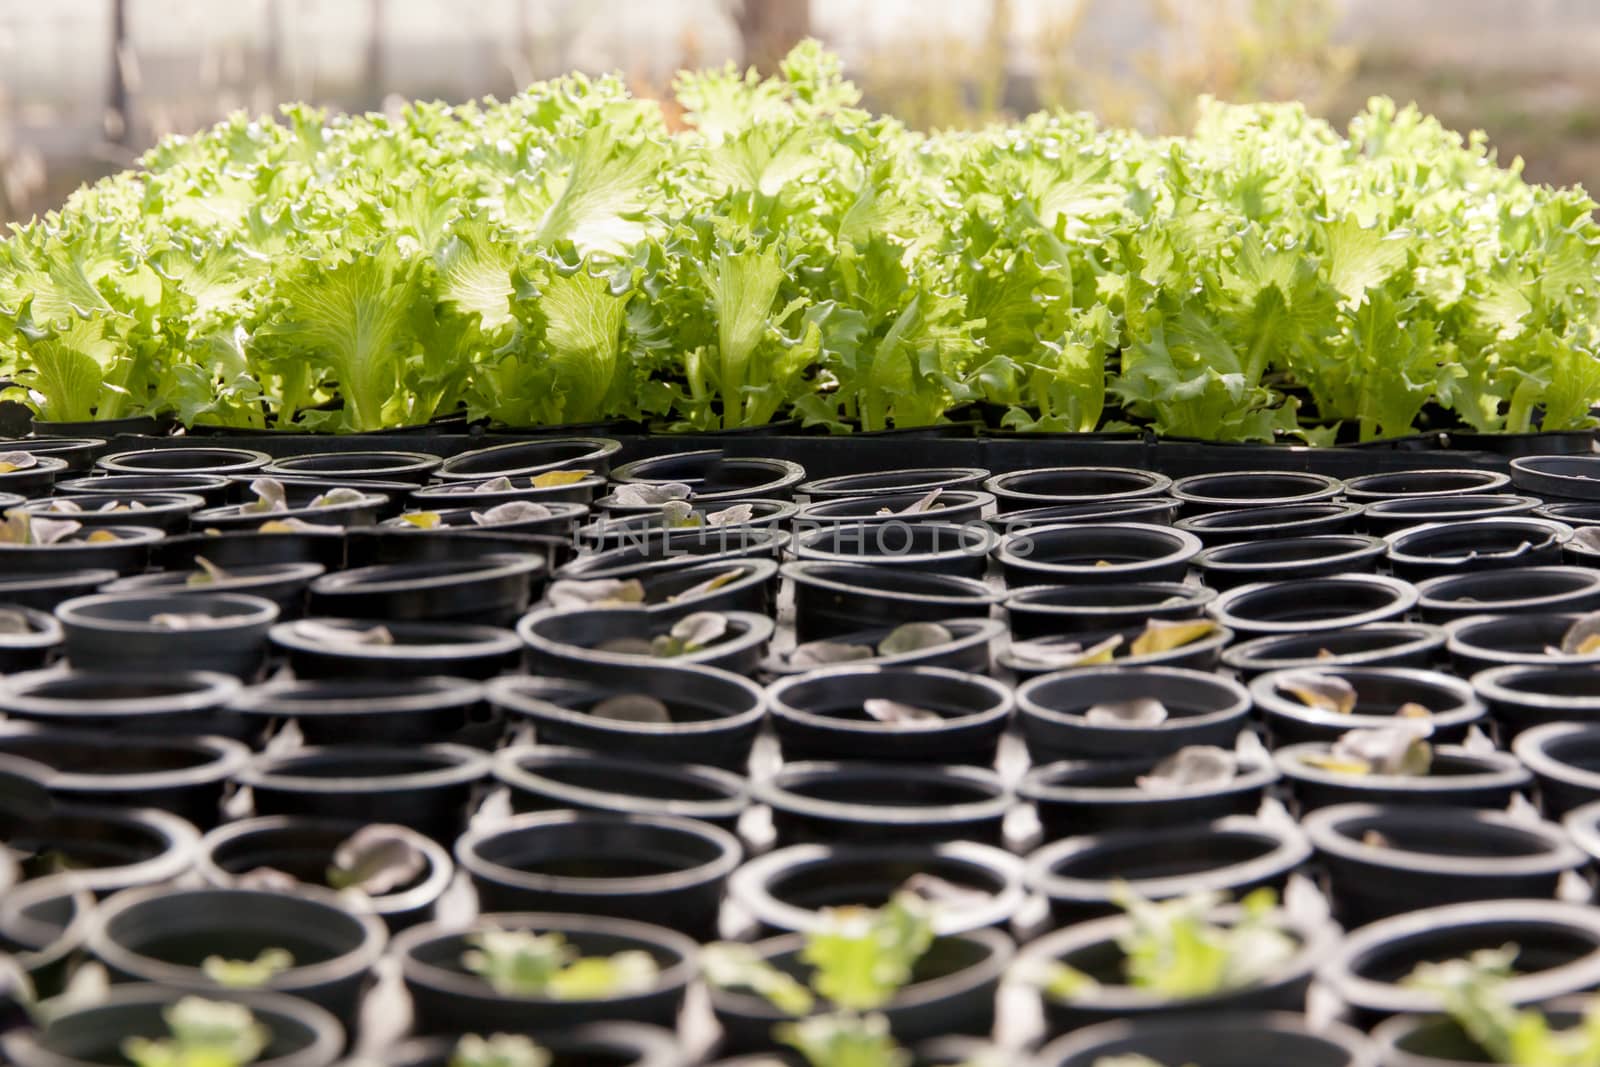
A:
{"x": 764, "y": 249}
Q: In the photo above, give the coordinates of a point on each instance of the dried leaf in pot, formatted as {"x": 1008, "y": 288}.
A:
{"x": 923, "y": 504}
{"x": 11, "y": 462}
{"x": 344, "y": 635}
{"x": 632, "y": 707}
{"x": 1141, "y": 711}
{"x": 1583, "y": 636}
{"x": 678, "y": 513}
{"x": 646, "y": 494}
{"x": 206, "y": 573}
{"x": 1189, "y": 769}
{"x": 597, "y": 593}
{"x": 823, "y": 653}
{"x": 914, "y": 637}
{"x": 1164, "y": 635}
{"x": 734, "y": 515}
{"x": 512, "y": 511}
{"x": 377, "y": 859}
{"x": 710, "y": 585}
{"x": 553, "y": 479}
{"x": 189, "y": 620}
{"x": 1315, "y": 689}
{"x": 270, "y": 496}
{"x": 894, "y": 713}
{"x": 334, "y": 498}
{"x": 14, "y": 622}
{"x": 1064, "y": 655}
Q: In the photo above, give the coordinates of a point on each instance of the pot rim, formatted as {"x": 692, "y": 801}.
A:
{"x": 238, "y": 578}
{"x": 811, "y": 572}
{"x": 488, "y": 568}
{"x": 1497, "y": 684}
{"x": 1217, "y": 640}
{"x": 1339, "y": 972}
{"x": 1010, "y": 522}
{"x": 628, "y": 562}
{"x": 1324, "y": 828}
{"x": 764, "y": 512}
{"x": 560, "y": 511}
{"x": 1320, "y": 487}
{"x": 441, "y": 870}
{"x": 1356, "y": 547}
{"x": 166, "y": 502}
{"x": 56, "y": 945}
{"x": 965, "y": 476}
{"x": 1499, "y": 768}
{"x": 1424, "y": 636}
{"x": 125, "y": 536}
{"x": 180, "y": 843}
{"x": 1195, "y": 596}
{"x": 757, "y": 570}
{"x": 1289, "y": 850}
{"x": 45, "y": 630}
{"x": 86, "y": 483}
{"x": 719, "y": 867}
{"x": 460, "y": 765}
{"x": 510, "y": 768}
{"x": 226, "y": 757}
{"x": 1238, "y": 709}
{"x": 228, "y": 513}
{"x": 1582, "y": 825}
{"x": 815, "y": 511}
{"x": 1556, "y": 535}
{"x": 114, "y": 954}
{"x": 601, "y": 449}
{"x": 1152, "y": 484}
{"x": 1310, "y": 514}
{"x": 776, "y": 791}
{"x": 204, "y": 691}
{"x": 502, "y": 692}
{"x": 1532, "y": 748}
{"x": 803, "y": 545}
{"x": 1428, "y": 588}
{"x": 229, "y": 460}
{"x": 1003, "y": 700}
{"x": 677, "y": 975}
{"x": 748, "y": 886}
{"x": 1492, "y": 482}
{"x": 45, "y": 464}
{"x": 1255, "y": 774}
{"x": 429, "y": 693}
{"x": 482, "y": 640}
{"x": 1460, "y": 643}
{"x": 1403, "y": 596}
{"x": 458, "y": 488}
{"x": 1395, "y": 508}
{"x": 1183, "y": 546}
{"x": 655, "y": 1047}
{"x": 253, "y": 612}
{"x": 409, "y": 461}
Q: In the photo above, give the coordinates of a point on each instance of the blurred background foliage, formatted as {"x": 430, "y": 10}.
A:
{"x": 85, "y": 85}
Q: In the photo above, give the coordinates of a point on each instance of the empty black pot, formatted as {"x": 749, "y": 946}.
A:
{"x": 1073, "y": 485}
{"x": 1336, "y": 602}
{"x": 416, "y": 649}
{"x": 1422, "y": 483}
{"x": 494, "y": 590}
{"x": 532, "y": 457}
{"x": 368, "y": 711}
{"x": 1286, "y": 558}
{"x": 1376, "y": 644}
{"x": 1202, "y": 709}
{"x": 926, "y": 547}
{"x": 1397, "y": 513}
{"x": 1045, "y": 610}
{"x": 357, "y": 466}
{"x": 1230, "y": 490}
{"x": 1151, "y": 510}
{"x": 1512, "y": 591}
{"x": 1104, "y": 554}
{"x": 1462, "y": 545}
{"x": 1096, "y": 796}
{"x": 918, "y": 480}
{"x": 184, "y": 460}
{"x": 1565, "y": 760}
{"x": 175, "y": 702}
{"x": 859, "y": 802}
{"x": 710, "y": 475}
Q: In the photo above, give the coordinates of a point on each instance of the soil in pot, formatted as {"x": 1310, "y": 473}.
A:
{"x": 1083, "y": 877}
{"x": 832, "y": 599}
{"x": 1382, "y": 860}
{"x": 325, "y": 648}
{"x": 1376, "y": 644}
{"x": 682, "y": 714}
{"x": 1336, "y": 602}
{"x": 788, "y": 890}
{"x": 1073, "y": 485}
{"x": 1104, "y": 554}
{"x": 547, "y": 777}
{"x": 1324, "y": 703}
{"x": 449, "y": 997}
{"x": 153, "y": 632}
{"x": 1094, "y": 796}
{"x": 430, "y": 788}
{"x": 1046, "y": 610}
{"x": 402, "y": 873}
{"x": 1112, "y": 712}
{"x": 858, "y": 802}
{"x": 890, "y": 714}
{"x": 494, "y": 590}
{"x": 601, "y": 863}
{"x": 1512, "y": 591}
{"x": 187, "y": 939}
{"x": 528, "y": 458}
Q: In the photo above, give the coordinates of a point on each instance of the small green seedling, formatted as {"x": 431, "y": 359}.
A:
{"x": 498, "y": 1050}
{"x": 1473, "y": 991}
{"x": 844, "y": 1040}
{"x": 203, "y": 1033}
{"x": 248, "y": 974}
{"x": 520, "y": 963}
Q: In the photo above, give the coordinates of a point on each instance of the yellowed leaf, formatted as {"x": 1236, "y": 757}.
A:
{"x": 423, "y": 520}
{"x": 101, "y": 537}
{"x": 556, "y": 479}
{"x": 1164, "y": 635}
{"x": 1335, "y": 764}
{"x": 1413, "y": 710}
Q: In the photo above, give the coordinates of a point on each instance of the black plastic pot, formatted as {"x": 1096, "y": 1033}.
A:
{"x": 832, "y": 599}
{"x": 1575, "y": 513}
{"x": 715, "y": 715}
{"x": 106, "y": 849}
{"x": 1150, "y": 510}
{"x": 480, "y": 495}
{"x": 284, "y": 584}
{"x": 859, "y": 802}
{"x": 253, "y": 548}
{"x": 1459, "y": 777}
{"x": 77, "y": 452}
{"x": 1106, "y": 554}
{"x": 546, "y": 778}
{"x": 701, "y": 546}
{"x": 1094, "y": 949}
{"x": 127, "y": 554}
{"x": 184, "y": 460}
{"x": 531, "y": 457}
{"x": 186, "y": 776}
{"x": 611, "y": 531}
{"x": 1096, "y": 796}
{"x": 189, "y": 702}
{"x": 1565, "y": 760}
{"x": 952, "y": 991}
{"x": 612, "y": 1044}
{"x": 42, "y": 592}
{"x": 1251, "y": 1040}
{"x": 821, "y": 715}
{"x": 494, "y": 590}
{"x": 304, "y": 849}
{"x": 1526, "y": 695}
{"x": 1423, "y": 483}
{"x": 918, "y": 480}
{"x": 419, "y": 650}
{"x": 1513, "y": 591}
{"x": 430, "y": 788}
{"x": 1582, "y": 825}
{"x": 1459, "y": 546}
{"x": 381, "y": 710}
{"x": 1283, "y": 520}
{"x": 299, "y": 492}
{"x": 1202, "y": 708}
{"x": 35, "y": 480}
{"x": 115, "y": 632}
{"x": 234, "y": 518}
{"x": 1478, "y": 642}
{"x": 1376, "y": 644}
{"x": 786, "y": 891}
{"x": 79, "y": 1035}
{"x": 1285, "y": 558}
{"x": 669, "y": 596}
{"x": 955, "y": 506}
{"x": 1398, "y": 513}
{"x": 447, "y": 998}
{"x": 1452, "y": 706}
{"x": 42, "y": 926}
{"x": 1082, "y": 877}
{"x": 1424, "y": 857}
{"x": 212, "y": 488}
{"x": 563, "y": 642}
{"x": 1202, "y": 493}
{"x": 1202, "y": 654}
{"x": 967, "y": 650}
{"x": 1557, "y": 477}
{"x": 1073, "y": 485}
{"x": 1559, "y": 954}
{"x": 926, "y": 547}
{"x": 33, "y": 649}
{"x": 711, "y": 475}
{"x": 413, "y": 467}
{"x": 167, "y": 512}
{"x": 603, "y": 863}
{"x": 162, "y": 935}
{"x": 1337, "y": 602}
{"x": 1046, "y": 610}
